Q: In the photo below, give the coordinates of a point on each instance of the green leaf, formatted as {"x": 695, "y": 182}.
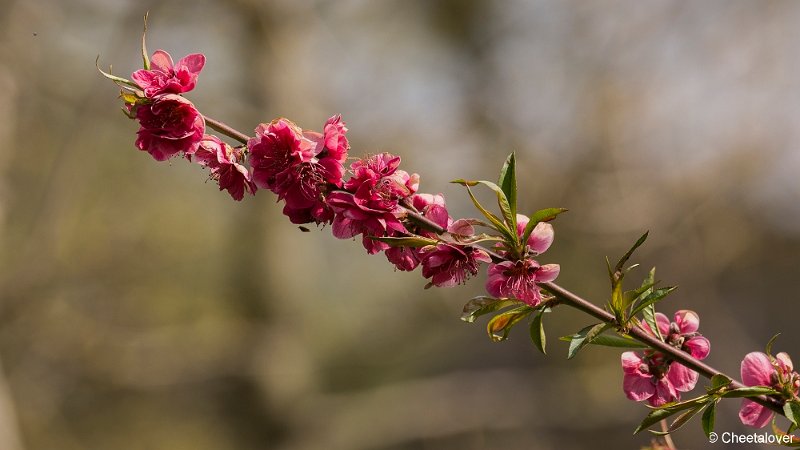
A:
{"x": 709, "y": 415}
{"x": 611, "y": 340}
{"x": 750, "y": 391}
{"x": 508, "y": 184}
{"x": 542, "y": 215}
{"x": 662, "y": 412}
{"x": 768, "y": 349}
{"x": 502, "y": 323}
{"x": 406, "y": 241}
{"x": 718, "y": 382}
{"x": 649, "y": 314}
{"x": 792, "y": 411}
{"x": 584, "y": 337}
{"x": 503, "y": 203}
{"x": 537, "y": 332}
{"x": 627, "y": 255}
{"x": 145, "y": 58}
{"x": 636, "y": 294}
{"x": 679, "y": 421}
{"x": 114, "y": 78}
{"x": 497, "y": 223}
{"x": 474, "y": 239}
{"x": 481, "y": 305}
{"x": 655, "y": 296}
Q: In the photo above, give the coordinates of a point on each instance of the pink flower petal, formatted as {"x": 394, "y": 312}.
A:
{"x": 344, "y": 228}
{"x": 631, "y": 362}
{"x": 541, "y": 237}
{"x": 638, "y": 387}
{"x": 753, "y": 414}
{"x": 461, "y": 227}
{"x": 161, "y": 60}
{"x": 698, "y": 346}
{"x": 665, "y": 393}
{"x": 785, "y": 361}
{"x": 547, "y": 272}
{"x": 688, "y": 321}
{"x": 757, "y": 369}
{"x": 682, "y": 378}
{"x": 194, "y": 62}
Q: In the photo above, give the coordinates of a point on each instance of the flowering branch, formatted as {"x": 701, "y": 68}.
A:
{"x": 381, "y": 203}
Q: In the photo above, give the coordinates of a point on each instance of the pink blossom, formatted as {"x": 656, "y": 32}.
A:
{"x": 760, "y": 369}
{"x": 451, "y": 264}
{"x": 650, "y": 377}
{"x": 518, "y": 279}
{"x": 166, "y": 78}
{"x": 300, "y": 166}
{"x": 431, "y": 207}
{"x": 403, "y": 258}
{"x": 654, "y": 377}
{"x": 224, "y": 162}
{"x": 541, "y": 237}
{"x": 275, "y": 151}
{"x": 169, "y": 125}
{"x": 682, "y": 332}
{"x": 370, "y": 206}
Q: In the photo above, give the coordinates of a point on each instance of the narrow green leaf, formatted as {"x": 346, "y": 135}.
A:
{"x": 145, "y": 58}
{"x": 406, "y": 241}
{"x": 502, "y": 323}
{"x": 584, "y": 337}
{"x": 649, "y": 314}
{"x": 709, "y": 415}
{"x": 636, "y": 294}
{"x": 792, "y": 411}
{"x": 750, "y": 391}
{"x": 655, "y": 296}
{"x": 508, "y": 183}
{"x": 679, "y": 421}
{"x": 617, "y": 301}
{"x": 718, "y": 382}
{"x": 537, "y": 332}
{"x": 474, "y": 239}
{"x": 611, "y": 340}
{"x": 497, "y": 223}
{"x": 662, "y": 412}
{"x": 627, "y": 255}
{"x": 542, "y": 215}
{"x": 505, "y": 208}
{"x": 481, "y": 305}
{"x": 768, "y": 349}
{"x": 114, "y": 78}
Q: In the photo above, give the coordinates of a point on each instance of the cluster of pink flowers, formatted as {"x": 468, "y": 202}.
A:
{"x": 301, "y": 167}
{"x": 653, "y": 376}
{"x": 760, "y": 369}
{"x": 170, "y": 125}
{"x": 306, "y": 170}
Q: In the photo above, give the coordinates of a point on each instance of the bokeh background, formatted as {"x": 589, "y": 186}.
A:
{"x": 141, "y": 308}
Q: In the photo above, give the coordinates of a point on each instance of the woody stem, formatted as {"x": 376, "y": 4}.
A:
{"x": 226, "y": 130}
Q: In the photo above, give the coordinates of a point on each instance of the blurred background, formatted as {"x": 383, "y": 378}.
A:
{"x": 141, "y": 308}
